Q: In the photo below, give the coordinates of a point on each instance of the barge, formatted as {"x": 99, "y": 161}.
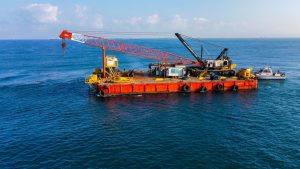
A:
{"x": 174, "y": 73}
{"x": 173, "y": 86}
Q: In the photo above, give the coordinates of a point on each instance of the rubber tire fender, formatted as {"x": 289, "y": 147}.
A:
{"x": 186, "y": 88}
{"x": 101, "y": 93}
{"x": 220, "y": 87}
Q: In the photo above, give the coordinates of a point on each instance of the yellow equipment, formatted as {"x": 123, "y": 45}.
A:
{"x": 95, "y": 77}
{"x": 111, "y": 73}
{"x": 92, "y": 79}
{"x": 222, "y": 77}
{"x": 120, "y": 79}
{"x": 203, "y": 75}
{"x": 245, "y": 73}
{"x": 159, "y": 79}
{"x": 232, "y": 66}
{"x": 111, "y": 64}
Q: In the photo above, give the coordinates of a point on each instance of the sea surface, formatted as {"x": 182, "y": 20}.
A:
{"x": 48, "y": 119}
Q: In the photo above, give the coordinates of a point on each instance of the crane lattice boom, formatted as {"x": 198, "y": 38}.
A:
{"x": 165, "y": 57}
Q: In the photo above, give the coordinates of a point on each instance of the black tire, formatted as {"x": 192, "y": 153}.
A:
{"x": 235, "y": 88}
{"x": 101, "y": 93}
{"x": 220, "y": 87}
{"x": 186, "y": 88}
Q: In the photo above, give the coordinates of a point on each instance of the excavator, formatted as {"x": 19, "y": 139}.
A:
{"x": 221, "y": 66}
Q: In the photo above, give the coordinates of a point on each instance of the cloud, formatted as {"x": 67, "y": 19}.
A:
{"x": 87, "y": 20}
{"x": 138, "y": 20}
{"x": 199, "y": 22}
{"x": 133, "y": 21}
{"x": 179, "y": 22}
{"x": 42, "y": 13}
{"x": 153, "y": 23}
{"x": 153, "y": 19}
{"x": 80, "y": 13}
{"x": 98, "y": 22}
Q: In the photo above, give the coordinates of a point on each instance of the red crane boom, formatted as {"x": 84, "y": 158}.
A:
{"x": 165, "y": 57}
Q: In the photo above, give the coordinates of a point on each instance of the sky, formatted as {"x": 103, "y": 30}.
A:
{"x": 45, "y": 19}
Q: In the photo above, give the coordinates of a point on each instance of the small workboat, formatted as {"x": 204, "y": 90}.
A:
{"x": 268, "y": 74}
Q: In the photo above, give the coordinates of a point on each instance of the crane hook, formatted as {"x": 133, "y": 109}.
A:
{"x": 63, "y": 43}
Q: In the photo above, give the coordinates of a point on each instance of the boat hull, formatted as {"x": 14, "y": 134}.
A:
{"x": 270, "y": 77}
{"x": 111, "y": 89}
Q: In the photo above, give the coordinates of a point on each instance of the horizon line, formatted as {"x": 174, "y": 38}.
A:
{"x": 163, "y": 38}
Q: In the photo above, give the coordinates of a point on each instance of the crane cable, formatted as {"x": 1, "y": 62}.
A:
{"x": 164, "y": 34}
{"x": 203, "y": 41}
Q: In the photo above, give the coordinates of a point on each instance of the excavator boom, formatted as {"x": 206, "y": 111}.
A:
{"x": 188, "y": 47}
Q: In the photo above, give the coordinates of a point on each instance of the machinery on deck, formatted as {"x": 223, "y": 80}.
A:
{"x": 221, "y": 66}
{"x": 245, "y": 73}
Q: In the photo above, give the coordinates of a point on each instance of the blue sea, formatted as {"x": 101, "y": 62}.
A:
{"x": 48, "y": 119}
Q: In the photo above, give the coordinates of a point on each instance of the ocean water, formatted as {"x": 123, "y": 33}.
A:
{"x": 49, "y": 120}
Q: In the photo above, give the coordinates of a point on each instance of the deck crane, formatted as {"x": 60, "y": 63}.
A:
{"x": 113, "y": 45}
{"x": 223, "y": 61}
{"x": 222, "y": 65}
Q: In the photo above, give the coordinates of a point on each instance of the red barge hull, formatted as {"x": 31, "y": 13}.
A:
{"x": 111, "y": 89}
